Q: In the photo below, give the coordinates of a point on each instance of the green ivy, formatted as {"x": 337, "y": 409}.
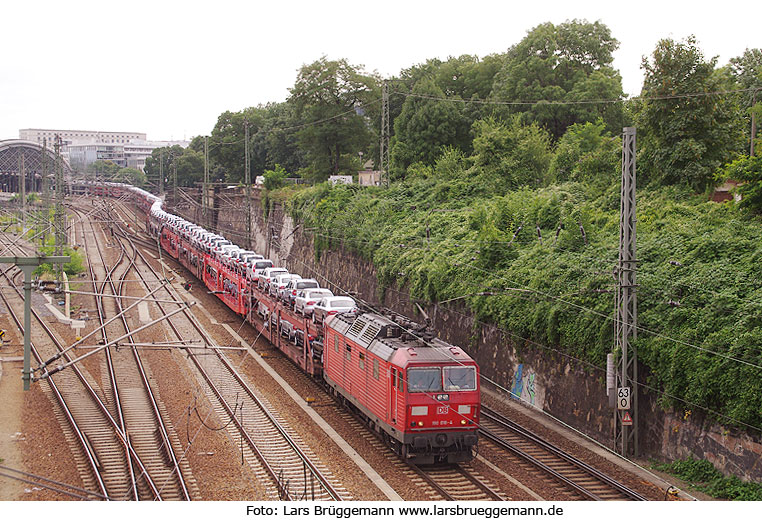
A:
{"x": 701, "y": 475}
{"x": 699, "y": 270}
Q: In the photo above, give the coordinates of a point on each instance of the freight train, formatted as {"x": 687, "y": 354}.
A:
{"x": 419, "y": 393}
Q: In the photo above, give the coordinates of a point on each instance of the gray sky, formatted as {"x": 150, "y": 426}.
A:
{"x": 169, "y": 68}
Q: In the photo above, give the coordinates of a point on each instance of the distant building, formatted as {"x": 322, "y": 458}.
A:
{"x": 82, "y": 148}
{"x": 340, "y": 179}
{"x": 726, "y": 191}
{"x": 369, "y": 178}
{"x": 132, "y": 154}
{"x": 69, "y": 137}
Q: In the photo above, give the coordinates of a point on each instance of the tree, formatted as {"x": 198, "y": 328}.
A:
{"x": 748, "y": 170}
{"x": 162, "y": 155}
{"x": 570, "y": 62}
{"x": 684, "y": 139}
{"x": 227, "y": 144}
{"x": 511, "y": 155}
{"x": 130, "y": 175}
{"x": 425, "y": 126}
{"x": 747, "y": 70}
{"x": 330, "y": 97}
{"x": 587, "y": 153}
{"x": 276, "y": 139}
{"x": 103, "y": 167}
{"x": 275, "y": 178}
{"x": 190, "y": 168}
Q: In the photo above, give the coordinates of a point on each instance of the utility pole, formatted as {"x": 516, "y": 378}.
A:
{"x": 45, "y": 220}
{"x": 205, "y": 187}
{"x": 28, "y": 265}
{"x": 174, "y": 181}
{"x": 161, "y": 173}
{"x": 384, "y": 157}
{"x": 59, "y": 212}
{"x": 247, "y": 181}
{"x": 22, "y": 192}
{"x": 626, "y": 437}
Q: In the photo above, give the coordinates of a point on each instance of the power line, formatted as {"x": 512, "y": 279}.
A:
{"x": 543, "y": 346}
{"x": 622, "y": 100}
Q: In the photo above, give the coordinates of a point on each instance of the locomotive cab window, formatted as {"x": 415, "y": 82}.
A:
{"x": 336, "y": 343}
{"x": 401, "y": 382}
{"x": 361, "y": 359}
{"x": 424, "y": 379}
{"x": 348, "y": 353}
{"x": 459, "y": 378}
{"x": 375, "y": 369}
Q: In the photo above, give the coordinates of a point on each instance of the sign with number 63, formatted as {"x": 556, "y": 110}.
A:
{"x": 623, "y": 398}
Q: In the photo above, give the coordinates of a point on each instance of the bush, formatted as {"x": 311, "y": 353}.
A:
{"x": 703, "y": 476}
{"x": 275, "y": 178}
{"x": 448, "y": 234}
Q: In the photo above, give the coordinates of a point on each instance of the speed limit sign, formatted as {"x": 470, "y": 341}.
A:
{"x": 623, "y": 398}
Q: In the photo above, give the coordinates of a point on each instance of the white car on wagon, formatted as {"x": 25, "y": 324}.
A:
{"x": 332, "y": 305}
{"x": 307, "y": 298}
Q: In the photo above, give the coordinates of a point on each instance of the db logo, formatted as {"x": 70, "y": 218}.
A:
{"x": 442, "y": 410}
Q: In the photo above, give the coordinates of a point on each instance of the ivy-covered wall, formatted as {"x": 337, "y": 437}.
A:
{"x": 542, "y": 375}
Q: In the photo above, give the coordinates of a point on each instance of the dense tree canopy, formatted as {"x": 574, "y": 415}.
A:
{"x": 685, "y": 139}
{"x": 330, "y": 97}
{"x": 426, "y": 125}
{"x": 570, "y": 62}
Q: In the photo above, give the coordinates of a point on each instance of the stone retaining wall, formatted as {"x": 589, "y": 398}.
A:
{"x": 542, "y": 377}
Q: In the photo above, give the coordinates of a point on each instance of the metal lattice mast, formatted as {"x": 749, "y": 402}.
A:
{"x": 59, "y": 212}
{"x": 247, "y": 182}
{"x": 205, "y": 187}
{"x": 22, "y": 191}
{"x": 627, "y": 303}
{"x": 174, "y": 181}
{"x": 384, "y": 156}
{"x": 161, "y": 173}
{"x": 45, "y": 218}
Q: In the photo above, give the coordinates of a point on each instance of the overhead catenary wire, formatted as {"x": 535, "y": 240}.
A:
{"x": 556, "y": 350}
{"x": 51, "y": 484}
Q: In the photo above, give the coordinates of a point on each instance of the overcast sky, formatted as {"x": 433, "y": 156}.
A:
{"x": 170, "y": 68}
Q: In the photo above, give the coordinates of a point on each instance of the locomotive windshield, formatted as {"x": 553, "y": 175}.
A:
{"x": 460, "y": 378}
{"x": 424, "y": 379}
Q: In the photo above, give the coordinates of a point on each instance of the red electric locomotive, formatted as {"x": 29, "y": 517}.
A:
{"x": 419, "y": 392}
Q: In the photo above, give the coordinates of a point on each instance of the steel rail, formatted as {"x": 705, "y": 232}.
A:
{"x": 107, "y": 352}
{"x": 502, "y": 421}
{"x": 123, "y": 438}
{"x": 91, "y": 459}
{"x": 313, "y": 469}
{"x": 444, "y": 492}
{"x": 163, "y": 432}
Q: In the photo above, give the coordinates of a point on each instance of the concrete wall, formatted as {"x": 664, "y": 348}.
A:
{"x": 541, "y": 377}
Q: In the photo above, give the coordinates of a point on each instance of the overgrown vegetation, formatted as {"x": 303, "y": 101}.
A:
{"x": 701, "y": 475}
{"x": 546, "y": 258}
{"x": 505, "y": 194}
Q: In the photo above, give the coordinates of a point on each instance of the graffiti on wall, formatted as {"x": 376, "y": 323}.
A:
{"x": 523, "y": 385}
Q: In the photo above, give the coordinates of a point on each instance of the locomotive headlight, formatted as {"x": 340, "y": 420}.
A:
{"x": 420, "y": 423}
{"x": 463, "y": 421}
{"x": 442, "y": 397}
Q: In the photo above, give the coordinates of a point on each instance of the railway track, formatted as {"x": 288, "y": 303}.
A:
{"x": 269, "y": 445}
{"x": 457, "y": 482}
{"x": 131, "y": 396}
{"x": 105, "y": 449}
{"x": 573, "y": 477}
